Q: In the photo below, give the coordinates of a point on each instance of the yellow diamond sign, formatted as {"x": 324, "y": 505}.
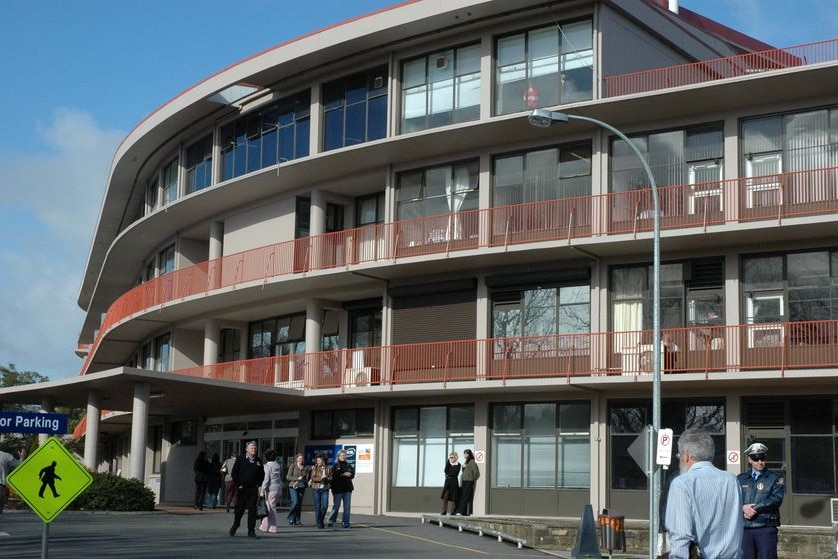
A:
{"x": 49, "y": 479}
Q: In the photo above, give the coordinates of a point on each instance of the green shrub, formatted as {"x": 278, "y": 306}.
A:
{"x": 109, "y": 492}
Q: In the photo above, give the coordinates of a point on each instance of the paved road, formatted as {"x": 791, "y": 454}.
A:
{"x": 180, "y": 533}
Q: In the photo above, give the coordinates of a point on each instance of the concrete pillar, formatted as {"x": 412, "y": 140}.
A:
{"x": 317, "y": 226}
{"x": 91, "y": 433}
{"x": 216, "y": 251}
{"x": 139, "y": 431}
{"x": 46, "y": 407}
{"x": 314, "y": 341}
{"x": 212, "y": 339}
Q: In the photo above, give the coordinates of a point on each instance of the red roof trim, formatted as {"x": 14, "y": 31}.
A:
{"x": 714, "y": 27}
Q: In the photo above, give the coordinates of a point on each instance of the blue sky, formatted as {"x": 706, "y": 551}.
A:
{"x": 77, "y": 75}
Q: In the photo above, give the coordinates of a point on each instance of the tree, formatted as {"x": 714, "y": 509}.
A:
{"x": 10, "y": 376}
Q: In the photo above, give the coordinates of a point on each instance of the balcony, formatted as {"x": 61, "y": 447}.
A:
{"x": 764, "y": 198}
{"x": 721, "y": 68}
{"x": 730, "y": 350}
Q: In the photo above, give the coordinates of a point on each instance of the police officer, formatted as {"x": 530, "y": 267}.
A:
{"x": 763, "y": 492}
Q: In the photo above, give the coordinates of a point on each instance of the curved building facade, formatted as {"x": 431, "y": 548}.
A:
{"x": 357, "y": 239}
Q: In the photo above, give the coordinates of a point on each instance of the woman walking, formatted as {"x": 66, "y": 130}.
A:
{"x": 297, "y": 478}
{"x": 272, "y": 489}
{"x": 319, "y": 481}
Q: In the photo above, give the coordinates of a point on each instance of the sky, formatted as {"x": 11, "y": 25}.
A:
{"x": 77, "y": 75}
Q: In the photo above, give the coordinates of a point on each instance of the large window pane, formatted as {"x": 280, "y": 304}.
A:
{"x": 574, "y": 462}
{"x": 507, "y": 471}
{"x": 812, "y": 464}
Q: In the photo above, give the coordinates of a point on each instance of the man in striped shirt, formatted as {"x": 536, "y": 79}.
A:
{"x": 704, "y": 506}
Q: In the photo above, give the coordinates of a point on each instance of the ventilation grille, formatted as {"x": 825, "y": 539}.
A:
{"x": 765, "y": 414}
{"x": 833, "y": 504}
{"x": 709, "y": 272}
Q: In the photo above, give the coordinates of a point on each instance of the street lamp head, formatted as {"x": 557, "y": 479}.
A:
{"x": 543, "y": 118}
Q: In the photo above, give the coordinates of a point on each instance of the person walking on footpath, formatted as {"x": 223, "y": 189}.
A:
{"x": 319, "y": 479}
{"x": 7, "y": 463}
{"x": 215, "y": 478}
{"x": 297, "y": 477}
{"x": 271, "y": 489}
{"x": 763, "y": 492}
{"x": 229, "y": 485}
{"x": 248, "y": 475}
{"x": 342, "y": 474}
{"x": 471, "y": 473}
{"x": 201, "y": 468}
{"x": 704, "y": 506}
{"x": 451, "y": 485}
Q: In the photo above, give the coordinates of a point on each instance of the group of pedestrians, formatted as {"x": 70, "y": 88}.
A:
{"x": 461, "y": 496}
{"x": 209, "y": 476}
{"x": 713, "y": 514}
{"x": 251, "y": 479}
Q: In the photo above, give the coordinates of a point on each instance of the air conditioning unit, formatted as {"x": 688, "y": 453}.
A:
{"x": 359, "y": 376}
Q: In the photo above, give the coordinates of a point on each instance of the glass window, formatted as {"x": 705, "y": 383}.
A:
{"x": 691, "y": 155}
{"x": 423, "y": 437}
{"x": 682, "y": 283}
{"x": 544, "y": 67}
{"x": 162, "y": 353}
{"x": 541, "y": 311}
{"x": 166, "y": 260}
{"x": 439, "y": 190}
{"x": 539, "y": 450}
{"x": 796, "y": 287}
{"x": 334, "y": 424}
{"x": 169, "y": 183}
{"x": 275, "y": 134}
{"x": 441, "y": 88}
{"x": 355, "y": 109}
{"x": 627, "y": 420}
{"x": 369, "y": 210}
{"x": 199, "y": 165}
{"x": 542, "y": 175}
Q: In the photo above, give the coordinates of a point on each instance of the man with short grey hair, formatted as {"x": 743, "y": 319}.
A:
{"x": 704, "y": 506}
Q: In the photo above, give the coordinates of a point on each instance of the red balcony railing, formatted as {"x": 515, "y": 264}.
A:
{"x": 721, "y": 68}
{"x": 770, "y": 197}
{"x": 724, "y": 349}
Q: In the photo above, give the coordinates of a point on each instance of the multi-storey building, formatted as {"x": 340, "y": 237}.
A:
{"x": 356, "y": 238}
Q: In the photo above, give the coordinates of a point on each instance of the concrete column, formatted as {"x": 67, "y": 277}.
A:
{"x": 139, "y": 431}
{"x": 216, "y": 251}
{"x": 317, "y": 226}
{"x": 314, "y": 342}
{"x": 314, "y": 325}
{"x": 484, "y": 305}
{"x": 91, "y": 433}
{"x": 212, "y": 338}
{"x": 46, "y": 407}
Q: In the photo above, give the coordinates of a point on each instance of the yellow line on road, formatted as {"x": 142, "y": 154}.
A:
{"x": 426, "y": 540}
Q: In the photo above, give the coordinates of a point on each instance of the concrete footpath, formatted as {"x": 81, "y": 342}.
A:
{"x": 184, "y": 532}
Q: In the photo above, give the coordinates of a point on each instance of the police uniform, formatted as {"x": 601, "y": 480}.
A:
{"x": 766, "y": 494}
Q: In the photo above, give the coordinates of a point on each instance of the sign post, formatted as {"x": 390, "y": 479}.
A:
{"x": 48, "y": 481}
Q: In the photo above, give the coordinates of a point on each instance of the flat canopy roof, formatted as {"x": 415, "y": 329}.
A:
{"x": 171, "y": 394}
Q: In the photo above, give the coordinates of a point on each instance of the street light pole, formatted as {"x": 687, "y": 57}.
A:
{"x": 544, "y": 118}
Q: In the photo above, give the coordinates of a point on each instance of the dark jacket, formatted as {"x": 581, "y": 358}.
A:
{"x": 341, "y": 483}
{"x": 248, "y": 474}
{"x": 766, "y": 494}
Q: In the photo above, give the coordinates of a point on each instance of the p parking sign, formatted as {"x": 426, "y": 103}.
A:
{"x": 49, "y": 479}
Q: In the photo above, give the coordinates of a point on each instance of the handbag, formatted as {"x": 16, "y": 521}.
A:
{"x": 261, "y": 507}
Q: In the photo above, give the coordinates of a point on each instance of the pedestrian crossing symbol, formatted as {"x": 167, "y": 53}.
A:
{"x": 49, "y": 479}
